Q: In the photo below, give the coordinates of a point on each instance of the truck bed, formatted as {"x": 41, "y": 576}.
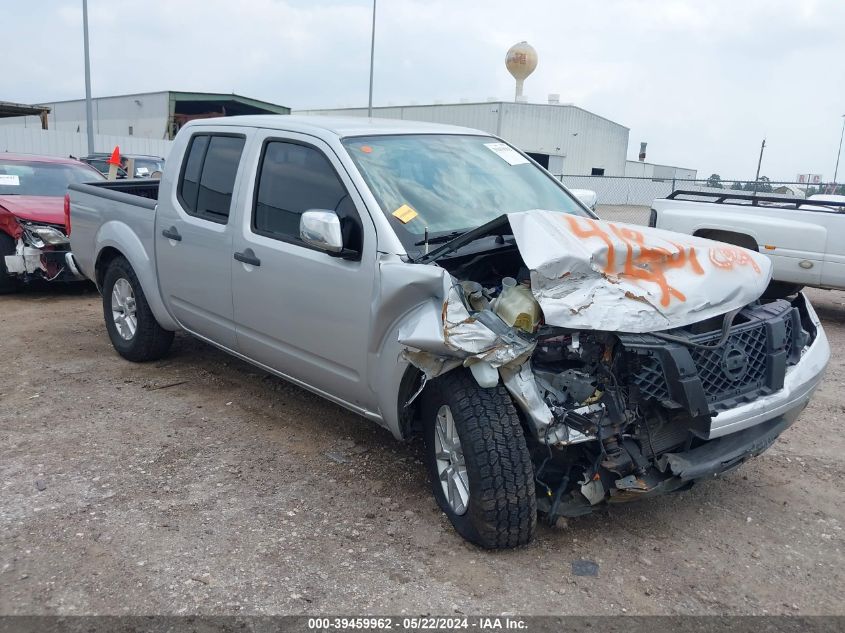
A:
{"x": 800, "y": 236}
{"x": 112, "y": 211}
{"x": 137, "y": 188}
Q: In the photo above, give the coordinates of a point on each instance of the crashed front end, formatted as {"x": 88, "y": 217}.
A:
{"x": 41, "y": 251}
{"x": 648, "y": 363}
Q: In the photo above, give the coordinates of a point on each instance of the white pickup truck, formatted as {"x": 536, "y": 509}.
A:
{"x": 437, "y": 281}
{"x": 802, "y": 238}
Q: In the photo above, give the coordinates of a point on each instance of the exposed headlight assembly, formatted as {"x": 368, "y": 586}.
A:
{"x": 46, "y": 235}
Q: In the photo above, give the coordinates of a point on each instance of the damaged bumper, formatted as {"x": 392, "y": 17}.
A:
{"x": 723, "y": 454}
{"x": 34, "y": 259}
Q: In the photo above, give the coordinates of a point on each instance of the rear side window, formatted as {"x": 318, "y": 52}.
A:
{"x": 296, "y": 178}
{"x": 208, "y": 176}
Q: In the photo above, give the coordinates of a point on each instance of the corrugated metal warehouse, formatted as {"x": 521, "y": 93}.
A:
{"x": 641, "y": 169}
{"x": 563, "y": 138}
{"x": 152, "y": 115}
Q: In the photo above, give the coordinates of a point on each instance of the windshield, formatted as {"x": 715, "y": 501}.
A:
{"x": 448, "y": 183}
{"x": 144, "y": 167}
{"x": 35, "y": 178}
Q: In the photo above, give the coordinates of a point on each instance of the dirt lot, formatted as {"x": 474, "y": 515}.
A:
{"x": 201, "y": 485}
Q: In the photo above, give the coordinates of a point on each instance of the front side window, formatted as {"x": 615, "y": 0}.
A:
{"x": 296, "y": 178}
{"x": 451, "y": 182}
{"x": 208, "y": 176}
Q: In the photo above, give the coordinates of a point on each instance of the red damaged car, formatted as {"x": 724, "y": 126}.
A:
{"x": 33, "y": 223}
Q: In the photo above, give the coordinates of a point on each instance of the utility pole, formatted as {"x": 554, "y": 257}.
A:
{"x": 89, "y": 111}
{"x": 759, "y": 162}
{"x": 836, "y": 171}
{"x": 372, "y": 55}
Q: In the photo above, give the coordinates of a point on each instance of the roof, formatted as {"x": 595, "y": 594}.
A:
{"x": 319, "y": 125}
{"x": 520, "y": 104}
{"x": 36, "y": 158}
{"x": 216, "y": 96}
{"x": 8, "y": 109}
{"x": 124, "y": 155}
{"x": 180, "y": 96}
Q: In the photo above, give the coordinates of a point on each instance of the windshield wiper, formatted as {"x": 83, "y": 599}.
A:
{"x": 498, "y": 226}
{"x": 440, "y": 239}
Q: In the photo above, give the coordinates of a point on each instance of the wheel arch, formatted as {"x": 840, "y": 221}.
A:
{"x": 729, "y": 237}
{"x": 144, "y": 267}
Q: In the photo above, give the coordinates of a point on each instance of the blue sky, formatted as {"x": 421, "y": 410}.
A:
{"x": 702, "y": 81}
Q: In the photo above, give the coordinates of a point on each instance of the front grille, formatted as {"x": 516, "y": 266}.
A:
{"x": 650, "y": 380}
{"x": 717, "y": 382}
{"x": 750, "y": 363}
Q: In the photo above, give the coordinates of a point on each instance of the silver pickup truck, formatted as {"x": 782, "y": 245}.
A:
{"x": 440, "y": 283}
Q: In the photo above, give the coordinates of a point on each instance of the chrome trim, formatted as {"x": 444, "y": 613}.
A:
{"x": 70, "y": 262}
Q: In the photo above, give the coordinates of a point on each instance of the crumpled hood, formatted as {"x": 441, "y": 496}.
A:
{"x": 593, "y": 275}
{"x": 47, "y": 209}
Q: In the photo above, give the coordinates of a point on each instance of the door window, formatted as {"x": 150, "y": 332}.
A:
{"x": 295, "y": 178}
{"x": 208, "y": 176}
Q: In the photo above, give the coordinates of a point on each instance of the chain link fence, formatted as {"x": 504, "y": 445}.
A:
{"x": 628, "y": 199}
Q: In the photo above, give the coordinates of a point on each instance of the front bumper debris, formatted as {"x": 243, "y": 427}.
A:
{"x": 51, "y": 263}
{"x": 726, "y": 453}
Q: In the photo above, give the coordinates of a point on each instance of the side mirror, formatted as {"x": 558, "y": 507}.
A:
{"x": 321, "y": 229}
{"x": 587, "y": 197}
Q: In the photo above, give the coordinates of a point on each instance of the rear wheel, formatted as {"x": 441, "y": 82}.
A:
{"x": 132, "y": 328}
{"x": 8, "y": 283}
{"x": 480, "y": 468}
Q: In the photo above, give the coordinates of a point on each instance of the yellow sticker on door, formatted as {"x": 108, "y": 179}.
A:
{"x": 405, "y": 214}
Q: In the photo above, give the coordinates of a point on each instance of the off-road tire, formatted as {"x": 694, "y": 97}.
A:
{"x": 8, "y": 283}
{"x": 502, "y": 507}
{"x": 150, "y": 341}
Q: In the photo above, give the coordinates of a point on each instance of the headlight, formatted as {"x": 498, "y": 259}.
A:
{"x": 41, "y": 235}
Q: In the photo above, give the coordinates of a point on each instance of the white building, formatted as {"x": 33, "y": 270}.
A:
{"x": 641, "y": 169}
{"x": 563, "y": 138}
{"x": 150, "y": 115}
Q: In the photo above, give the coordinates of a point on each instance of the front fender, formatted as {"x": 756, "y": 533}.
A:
{"x": 119, "y": 236}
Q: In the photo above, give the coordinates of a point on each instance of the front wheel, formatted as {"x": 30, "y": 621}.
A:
{"x": 132, "y": 327}
{"x": 480, "y": 468}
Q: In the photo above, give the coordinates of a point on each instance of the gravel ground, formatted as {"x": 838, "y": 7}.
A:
{"x": 199, "y": 485}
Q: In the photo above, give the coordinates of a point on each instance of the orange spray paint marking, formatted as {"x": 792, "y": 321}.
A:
{"x": 726, "y": 257}
{"x": 594, "y": 230}
{"x": 642, "y": 261}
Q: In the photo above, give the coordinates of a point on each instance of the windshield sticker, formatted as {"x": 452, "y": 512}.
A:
{"x": 142, "y": 170}
{"x": 10, "y": 180}
{"x": 405, "y": 214}
{"x": 506, "y": 153}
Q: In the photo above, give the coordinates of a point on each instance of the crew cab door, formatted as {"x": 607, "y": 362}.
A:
{"x": 194, "y": 243}
{"x": 301, "y": 311}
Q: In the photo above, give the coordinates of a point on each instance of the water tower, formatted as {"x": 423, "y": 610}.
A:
{"x": 521, "y": 61}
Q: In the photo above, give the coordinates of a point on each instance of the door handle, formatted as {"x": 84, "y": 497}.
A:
{"x": 248, "y": 257}
{"x": 172, "y": 234}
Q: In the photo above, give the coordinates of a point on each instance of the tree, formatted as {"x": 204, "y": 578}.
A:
{"x": 715, "y": 181}
{"x": 737, "y": 186}
{"x": 761, "y": 186}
